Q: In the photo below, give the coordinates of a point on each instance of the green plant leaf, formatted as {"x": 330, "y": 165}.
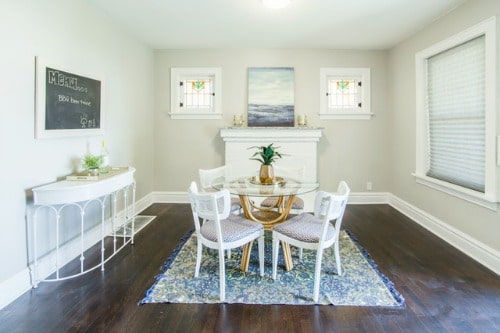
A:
{"x": 92, "y": 161}
{"x": 268, "y": 154}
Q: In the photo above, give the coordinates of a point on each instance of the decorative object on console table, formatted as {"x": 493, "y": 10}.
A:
{"x": 85, "y": 175}
{"x": 92, "y": 163}
{"x": 267, "y": 155}
{"x": 104, "y": 168}
{"x": 271, "y": 96}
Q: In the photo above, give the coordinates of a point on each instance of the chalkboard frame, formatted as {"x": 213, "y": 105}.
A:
{"x": 43, "y": 110}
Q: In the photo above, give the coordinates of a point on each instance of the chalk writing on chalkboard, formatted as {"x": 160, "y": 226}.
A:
{"x": 70, "y": 104}
{"x": 71, "y": 101}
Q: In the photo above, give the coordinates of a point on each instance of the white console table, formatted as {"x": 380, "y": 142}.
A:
{"x": 55, "y": 197}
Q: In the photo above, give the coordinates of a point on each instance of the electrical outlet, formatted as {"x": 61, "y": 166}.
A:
{"x": 369, "y": 186}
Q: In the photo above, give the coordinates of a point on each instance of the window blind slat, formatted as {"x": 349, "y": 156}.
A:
{"x": 456, "y": 113}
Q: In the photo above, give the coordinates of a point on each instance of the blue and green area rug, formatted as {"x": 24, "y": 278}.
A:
{"x": 361, "y": 283}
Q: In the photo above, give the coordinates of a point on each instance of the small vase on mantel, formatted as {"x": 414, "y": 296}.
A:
{"x": 266, "y": 174}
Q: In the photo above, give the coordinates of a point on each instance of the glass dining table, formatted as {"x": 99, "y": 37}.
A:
{"x": 284, "y": 189}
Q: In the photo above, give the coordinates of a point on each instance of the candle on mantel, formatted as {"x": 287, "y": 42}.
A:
{"x": 302, "y": 120}
{"x": 238, "y": 120}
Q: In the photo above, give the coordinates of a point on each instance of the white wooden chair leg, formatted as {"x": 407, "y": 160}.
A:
{"x": 229, "y": 254}
{"x": 222, "y": 276}
{"x": 198, "y": 258}
{"x": 261, "y": 254}
{"x": 275, "y": 257}
{"x": 317, "y": 274}
{"x": 300, "y": 252}
{"x": 337, "y": 257}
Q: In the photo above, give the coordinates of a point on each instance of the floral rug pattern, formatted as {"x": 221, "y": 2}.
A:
{"x": 361, "y": 283}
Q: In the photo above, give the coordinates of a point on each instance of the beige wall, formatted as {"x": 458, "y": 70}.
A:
{"x": 480, "y": 224}
{"x": 168, "y": 153}
{"x": 74, "y": 35}
{"x": 354, "y": 150}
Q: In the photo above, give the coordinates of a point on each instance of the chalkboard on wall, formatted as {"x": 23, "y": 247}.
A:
{"x": 68, "y": 104}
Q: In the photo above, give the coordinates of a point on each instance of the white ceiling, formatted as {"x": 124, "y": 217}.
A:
{"x": 330, "y": 24}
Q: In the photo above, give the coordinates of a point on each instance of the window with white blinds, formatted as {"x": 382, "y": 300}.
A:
{"x": 456, "y": 113}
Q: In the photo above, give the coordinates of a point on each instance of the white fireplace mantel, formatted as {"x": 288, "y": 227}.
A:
{"x": 298, "y": 144}
{"x": 288, "y": 134}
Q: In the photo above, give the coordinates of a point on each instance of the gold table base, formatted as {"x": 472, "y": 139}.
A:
{"x": 268, "y": 218}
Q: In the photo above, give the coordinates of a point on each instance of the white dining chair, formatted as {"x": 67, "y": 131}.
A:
{"x": 296, "y": 173}
{"x": 315, "y": 231}
{"x": 217, "y": 176}
{"x": 221, "y": 230}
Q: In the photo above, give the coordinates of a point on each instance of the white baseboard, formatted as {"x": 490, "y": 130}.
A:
{"x": 19, "y": 283}
{"x": 144, "y": 202}
{"x": 170, "y": 197}
{"x": 354, "y": 198}
{"x": 489, "y": 257}
{"x": 478, "y": 251}
{"x": 14, "y": 287}
{"x": 368, "y": 198}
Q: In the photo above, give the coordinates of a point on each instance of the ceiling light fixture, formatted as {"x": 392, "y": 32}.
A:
{"x": 276, "y": 4}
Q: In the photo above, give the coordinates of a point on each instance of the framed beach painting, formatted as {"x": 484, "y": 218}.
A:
{"x": 271, "y": 96}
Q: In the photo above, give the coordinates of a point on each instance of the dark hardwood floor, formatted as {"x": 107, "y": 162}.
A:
{"x": 445, "y": 290}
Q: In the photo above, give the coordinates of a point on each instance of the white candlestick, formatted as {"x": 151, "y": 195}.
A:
{"x": 302, "y": 120}
{"x": 238, "y": 120}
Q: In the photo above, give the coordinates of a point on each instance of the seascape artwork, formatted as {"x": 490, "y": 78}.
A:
{"x": 271, "y": 96}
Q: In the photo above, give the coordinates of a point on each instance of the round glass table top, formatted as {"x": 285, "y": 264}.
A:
{"x": 251, "y": 186}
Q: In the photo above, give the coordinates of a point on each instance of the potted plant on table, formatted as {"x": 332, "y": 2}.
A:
{"x": 92, "y": 163}
{"x": 266, "y": 155}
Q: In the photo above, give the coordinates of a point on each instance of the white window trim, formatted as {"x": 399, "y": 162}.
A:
{"x": 327, "y": 113}
{"x": 490, "y": 197}
{"x": 176, "y": 75}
